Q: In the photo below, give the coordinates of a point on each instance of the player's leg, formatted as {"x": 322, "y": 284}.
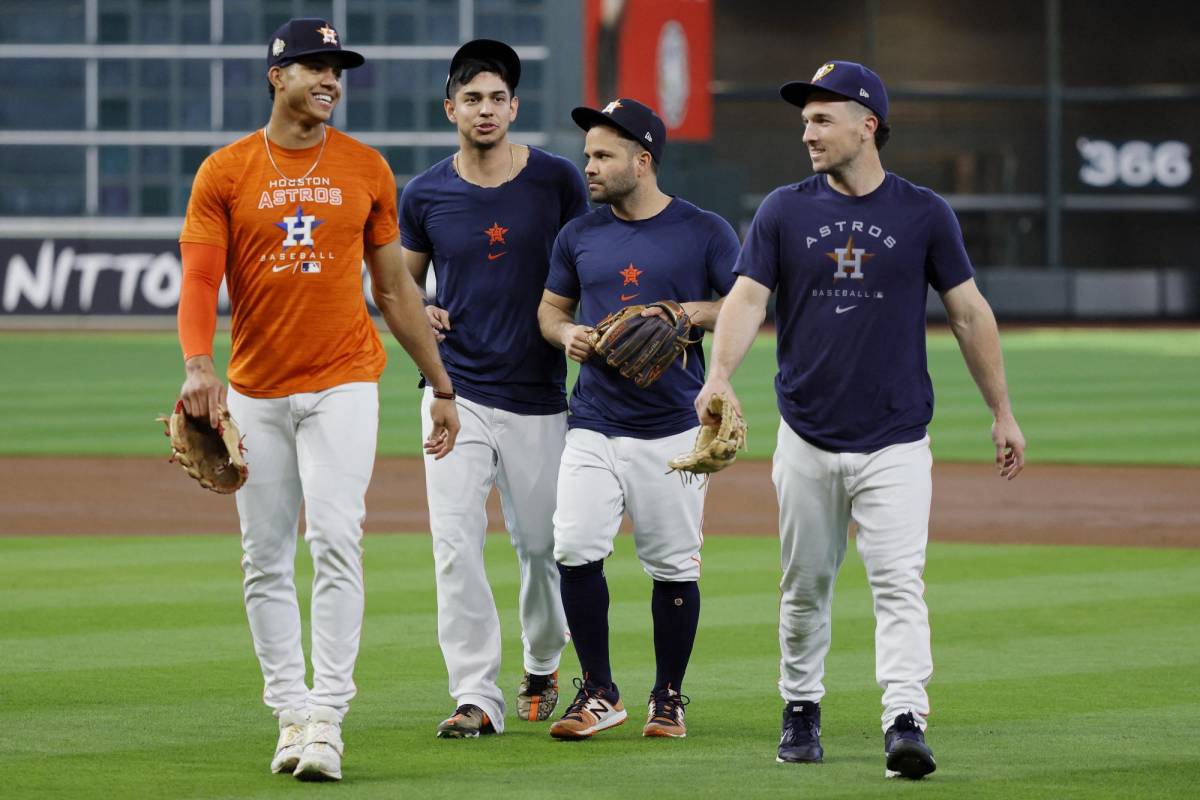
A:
{"x": 457, "y": 487}
{"x": 814, "y": 514}
{"x": 269, "y": 511}
{"x": 667, "y": 515}
{"x": 335, "y": 445}
{"x": 892, "y": 490}
{"x": 586, "y": 520}
{"x": 530, "y": 449}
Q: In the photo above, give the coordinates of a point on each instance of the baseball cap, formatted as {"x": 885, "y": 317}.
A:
{"x": 846, "y": 78}
{"x": 307, "y": 36}
{"x": 488, "y": 50}
{"x": 634, "y": 119}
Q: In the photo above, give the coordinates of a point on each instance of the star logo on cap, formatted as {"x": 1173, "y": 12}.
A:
{"x": 328, "y": 35}
{"x": 611, "y": 107}
{"x": 822, "y": 72}
{"x": 278, "y": 47}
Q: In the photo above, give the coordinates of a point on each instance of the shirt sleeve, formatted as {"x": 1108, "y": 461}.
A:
{"x": 412, "y": 219}
{"x": 722, "y": 254}
{"x": 946, "y": 263}
{"x": 382, "y": 226}
{"x": 563, "y": 278}
{"x": 207, "y": 217}
{"x": 575, "y": 197}
{"x": 759, "y": 258}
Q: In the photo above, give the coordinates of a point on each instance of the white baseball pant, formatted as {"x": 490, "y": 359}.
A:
{"x": 519, "y": 454}
{"x": 887, "y": 493}
{"x": 602, "y": 477}
{"x": 319, "y": 448}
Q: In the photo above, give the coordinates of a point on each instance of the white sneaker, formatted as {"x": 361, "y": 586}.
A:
{"x": 291, "y": 741}
{"x": 321, "y": 759}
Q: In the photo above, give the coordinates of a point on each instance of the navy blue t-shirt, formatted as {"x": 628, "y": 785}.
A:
{"x": 851, "y": 275}
{"x": 683, "y": 253}
{"x": 491, "y": 252}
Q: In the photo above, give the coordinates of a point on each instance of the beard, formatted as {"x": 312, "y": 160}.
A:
{"x": 617, "y": 187}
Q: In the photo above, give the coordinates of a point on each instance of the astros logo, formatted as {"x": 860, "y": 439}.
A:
{"x": 611, "y": 107}
{"x": 849, "y": 261}
{"x": 495, "y": 236}
{"x": 630, "y": 274}
{"x": 298, "y": 229}
{"x": 328, "y": 35}
{"x": 822, "y": 72}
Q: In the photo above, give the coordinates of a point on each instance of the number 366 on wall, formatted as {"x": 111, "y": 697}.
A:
{"x": 1135, "y": 163}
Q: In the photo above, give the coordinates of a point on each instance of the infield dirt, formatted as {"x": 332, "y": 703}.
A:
{"x": 1047, "y": 504}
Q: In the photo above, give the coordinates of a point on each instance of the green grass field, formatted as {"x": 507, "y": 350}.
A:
{"x": 127, "y": 671}
{"x": 1084, "y": 396}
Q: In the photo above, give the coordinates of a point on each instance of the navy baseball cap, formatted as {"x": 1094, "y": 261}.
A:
{"x": 308, "y": 36}
{"x": 488, "y": 50}
{"x": 846, "y": 78}
{"x": 634, "y": 119}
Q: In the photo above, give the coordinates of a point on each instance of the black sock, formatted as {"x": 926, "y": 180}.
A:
{"x": 676, "y": 610}
{"x": 585, "y": 601}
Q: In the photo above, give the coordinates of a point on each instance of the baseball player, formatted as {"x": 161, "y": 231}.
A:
{"x": 643, "y": 246}
{"x": 486, "y": 217}
{"x": 850, "y": 252}
{"x": 287, "y": 214}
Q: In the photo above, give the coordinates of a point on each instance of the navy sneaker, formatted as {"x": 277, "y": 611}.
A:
{"x": 907, "y": 754}
{"x": 800, "y": 742}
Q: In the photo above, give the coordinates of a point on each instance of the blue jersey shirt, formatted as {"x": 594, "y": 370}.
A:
{"x": 851, "y": 276}
{"x": 491, "y": 252}
{"x": 683, "y": 253}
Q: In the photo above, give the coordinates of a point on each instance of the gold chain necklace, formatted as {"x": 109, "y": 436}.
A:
{"x": 267, "y": 143}
{"x": 512, "y": 165}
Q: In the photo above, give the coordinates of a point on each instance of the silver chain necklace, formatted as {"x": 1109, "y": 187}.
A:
{"x": 512, "y": 165}
{"x": 267, "y": 143}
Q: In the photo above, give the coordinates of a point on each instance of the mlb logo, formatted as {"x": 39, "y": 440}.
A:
{"x": 310, "y": 266}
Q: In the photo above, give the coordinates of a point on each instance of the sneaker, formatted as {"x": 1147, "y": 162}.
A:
{"x": 537, "y": 696}
{"x": 321, "y": 759}
{"x": 800, "y": 742}
{"x": 593, "y": 709}
{"x": 907, "y": 754}
{"x": 664, "y": 716}
{"x": 291, "y": 741}
{"x": 467, "y": 722}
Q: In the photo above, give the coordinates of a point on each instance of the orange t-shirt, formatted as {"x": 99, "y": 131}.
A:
{"x": 293, "y": 258}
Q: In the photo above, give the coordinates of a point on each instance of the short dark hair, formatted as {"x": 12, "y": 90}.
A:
{"x": 634, "y": 143}
{"x": 471, "y": 68}
{"x": 882, "y": 133}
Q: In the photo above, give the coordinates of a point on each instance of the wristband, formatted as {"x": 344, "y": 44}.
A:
{"x": 443, "y": 395}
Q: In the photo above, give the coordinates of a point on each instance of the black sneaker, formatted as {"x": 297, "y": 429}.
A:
{"x": 907, "y": 754}
{"x": 800, "y": 742}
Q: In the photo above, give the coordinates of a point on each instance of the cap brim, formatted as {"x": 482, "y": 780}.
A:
{"x": 797, "y": 92}
{"x": 347, "y": 59}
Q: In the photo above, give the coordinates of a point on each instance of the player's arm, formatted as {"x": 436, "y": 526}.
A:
{"x": 974, "y": 326}
{"x": 704, "y": 312}
{"x": 742, "y": 314}
{"x": 399, "y": 300}
{"x": 556, "y": 318}
{"x": 417, "y": 265}
{"x": 203, "y": 394}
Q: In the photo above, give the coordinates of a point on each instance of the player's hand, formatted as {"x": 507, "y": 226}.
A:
{"x": 1010, "y": 446}
{"x": 444, "y": 414}
{"x": 439, "y": 320}
{"x": 576, "y": 343}
{"x": 202, "y": 393}
{"x": 714, "y": 385}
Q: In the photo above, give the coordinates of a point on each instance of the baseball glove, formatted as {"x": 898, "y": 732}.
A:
{"x": 642, "y": 348}
{"x": 716, "y": 445}
{"x": 211, "y": 456}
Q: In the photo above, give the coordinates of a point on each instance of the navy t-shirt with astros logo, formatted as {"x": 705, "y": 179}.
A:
{"x": 683, "y": 253}
{"x": 851, "y": 276}
{"x": 491, "y": 252}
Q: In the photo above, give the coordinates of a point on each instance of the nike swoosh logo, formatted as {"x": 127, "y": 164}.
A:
{"x": 840, "y": 310}
{"x": 625, "y": 298}
{"x": 282, "y": 267}
{"x": 494, "y": 256}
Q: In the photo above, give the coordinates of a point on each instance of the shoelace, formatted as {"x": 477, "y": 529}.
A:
{"x": 798, "y": 726}
{"x": 581, "y": 698}
{"x": 667, "y": 703}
